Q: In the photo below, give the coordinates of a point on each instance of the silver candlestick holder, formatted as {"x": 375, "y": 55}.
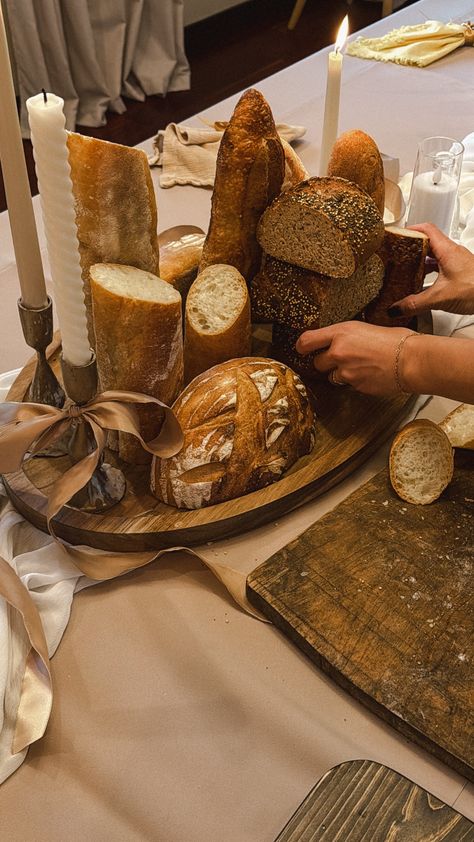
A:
{"x": 107, "y": 485}
{"x": 37, "y": 326}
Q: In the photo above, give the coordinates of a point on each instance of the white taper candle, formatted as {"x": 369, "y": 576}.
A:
{"x": 49, "y": 138}
{"x": 333, "y": 93}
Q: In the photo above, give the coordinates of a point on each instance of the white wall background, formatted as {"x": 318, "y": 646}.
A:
{"x": 195, "y": 10}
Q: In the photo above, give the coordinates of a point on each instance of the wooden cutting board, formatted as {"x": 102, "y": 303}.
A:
{"x": 379, "y": 593}
{"x": 362, "y": 801}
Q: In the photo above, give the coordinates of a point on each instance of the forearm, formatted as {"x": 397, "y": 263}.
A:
{"x": 439, "y": 365}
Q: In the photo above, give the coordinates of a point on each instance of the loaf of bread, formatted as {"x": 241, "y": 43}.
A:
{"x": 284, "y": 341}
{"x": 328, "y": 225}
{"x": 459, "y": 426}
{"x": 139, "y": 343}
{"x": 249, "y": 174}
{"x": 303, "y": 299}
{"x": 244, "y": 422}
{"x": 421, "y": 462}
{"x": 115, "y": 207}
{"x": 217, "y": 326}
{"x": 295, "y": 170}
{"x": 356, "y": 156}
{"x": 180, "y": 255}
{"x": 403, "y": 253}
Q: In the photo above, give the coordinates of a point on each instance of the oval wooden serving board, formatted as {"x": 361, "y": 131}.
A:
{"x": 350, "y": 428}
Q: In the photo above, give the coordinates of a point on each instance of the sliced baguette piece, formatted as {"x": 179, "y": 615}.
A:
{"x": 355, "y": 156}
{"x": 403, "y": 253}
{"x": 115, "y": 206}
{"x": 421, "y": 462}
{"x": 327, "y": 225}
{"x": 217, "y": 326}
{"x": 249, "y": 174}
{"x": 139, "y": 343}
{"x": 303, "y": 299}
{"x": 459, "y": 426}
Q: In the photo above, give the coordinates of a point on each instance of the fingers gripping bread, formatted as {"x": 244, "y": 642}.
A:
{"x": 403, "y": 254}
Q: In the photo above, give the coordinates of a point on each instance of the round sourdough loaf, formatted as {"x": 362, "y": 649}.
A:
{"x": 245, "y": 422}
{"x": 355, "y": 156}
{"x": 421, "y": 462}
{"x": 328, "y": 225}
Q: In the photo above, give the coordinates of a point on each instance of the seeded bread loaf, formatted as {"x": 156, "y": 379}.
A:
{"x": 284, "y": 340}
{"x": 115, "y": 206}
{"x": 328, "y": 225}
{"x": 403, "y": 253}
{"x": 217, "y": 324}
{"x": 244, "y": 422}
{"x": 421, "y": 462}
{"x": 355, "y": 156}
{"x": 303, "y": 299}
{"x": 139, "y": 345}
{"x": 249, "y": 174}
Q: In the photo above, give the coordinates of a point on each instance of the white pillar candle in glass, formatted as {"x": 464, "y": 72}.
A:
{"x": 435, "y": 182}
{"x": 333, "y": 92}
{"x": 17, "y": 189}
{"x": 49, "y": 138}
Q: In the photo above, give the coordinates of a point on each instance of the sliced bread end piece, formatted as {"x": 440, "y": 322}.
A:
{"x": 421, "y": 462}
{"x": 459, "y": 426}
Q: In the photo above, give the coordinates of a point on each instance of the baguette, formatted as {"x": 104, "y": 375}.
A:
{"x": 327, "y": 225}
{"x": 249, "y": 174}
{"x": 244, "y": 422}
{"x": 459, "y": 426}
{"x": 356, "y": 156}
{"x": 115, "y": 205}
{"x": 217, "y": 319}
{"x": 421, "y": 462}
{"x": 403, "y": 253}
{"x": 304, "y": 300}
{"x": 180, "y": 257}
{"x": 139, "y": 344}
{"x": 295, "y": 170}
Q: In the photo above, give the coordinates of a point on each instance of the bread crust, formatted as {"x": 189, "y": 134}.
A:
{"x": 356, "y": 156}
{"x": 139, "y": 348}
{"x": 403, "y": 254}
{"x": 115, "y": 206}
{"x": 244, "y": 422}
{"x": 459, "y": 426}
{"x": 328, "y": 225}
{"x": 249, "y": 174}
{"x": 435, "y": 437}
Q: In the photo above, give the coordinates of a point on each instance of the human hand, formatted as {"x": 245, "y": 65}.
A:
{"x": 453, "y": 290}
{"x": 360, "y": 355}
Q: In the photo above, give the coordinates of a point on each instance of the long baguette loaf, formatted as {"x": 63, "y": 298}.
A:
{"x": 139, "y": 343}
{"x": 303, "y": 299}
{"x": 327, "y": 225}
{"x": 403, "y": 253}
{"x": 116, "y": 213}
{"x": 244, "y": 422}
{"x": 249, "y": 174}
{"x": 355, "y": 156}
{"x": 217, "y": 319}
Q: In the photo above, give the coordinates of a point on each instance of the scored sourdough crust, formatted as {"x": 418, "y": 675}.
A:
{"x": 115, "y": 206}
{"x": 403, "y": 253}
{"x": 356, "y": 156}
{"x": 303, "y": 299}
{"x": 139, "y": 343}
{"x": 249, "y": 174}
{"x": 328, "y": 225}
{"x": 459, "y": 426}
{"x": 244, "y": 422}
{"x": 217, "y": 324}
{"x": 421, "y": 462}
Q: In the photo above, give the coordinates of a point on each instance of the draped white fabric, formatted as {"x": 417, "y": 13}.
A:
{"x": 93, "y": 53}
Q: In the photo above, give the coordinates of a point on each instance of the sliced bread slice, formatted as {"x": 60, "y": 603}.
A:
{"x": 403, "y": 253}
{"x": 421, "y": 462}
{"x": 459, "y": 426}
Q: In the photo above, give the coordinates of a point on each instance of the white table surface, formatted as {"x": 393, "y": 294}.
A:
{"x": 176, "y": 716}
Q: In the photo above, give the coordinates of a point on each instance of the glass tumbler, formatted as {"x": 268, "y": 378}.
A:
{"x": 435, "y": 182}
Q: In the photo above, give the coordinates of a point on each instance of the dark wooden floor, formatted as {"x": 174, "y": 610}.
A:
{"x": 227, "y": 53}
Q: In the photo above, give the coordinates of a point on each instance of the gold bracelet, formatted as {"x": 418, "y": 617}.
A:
{"x": 398, "y": 352}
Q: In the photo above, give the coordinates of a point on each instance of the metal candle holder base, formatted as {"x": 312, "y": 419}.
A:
{"x": 107, "y": 485}
{"x": 37, "y": 326}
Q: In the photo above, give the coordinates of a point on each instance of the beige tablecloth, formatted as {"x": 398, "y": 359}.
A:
{"x": 176, "y": 716}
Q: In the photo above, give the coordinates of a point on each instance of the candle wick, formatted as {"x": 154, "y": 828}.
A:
{"x": 45, "y": 96}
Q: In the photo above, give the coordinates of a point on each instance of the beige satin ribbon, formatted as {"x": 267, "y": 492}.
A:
{"x": 417, "y": 45}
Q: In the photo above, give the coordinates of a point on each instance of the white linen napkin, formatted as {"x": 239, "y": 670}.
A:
{"x": 188, "y": 154}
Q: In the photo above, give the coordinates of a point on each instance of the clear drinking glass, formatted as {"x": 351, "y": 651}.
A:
{"x": 435, "y": 182}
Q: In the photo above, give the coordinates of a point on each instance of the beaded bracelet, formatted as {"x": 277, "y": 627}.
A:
{"x": 398, "y": 352}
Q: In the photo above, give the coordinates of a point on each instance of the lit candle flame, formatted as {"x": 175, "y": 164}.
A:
{"x": 342, "y": 34}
